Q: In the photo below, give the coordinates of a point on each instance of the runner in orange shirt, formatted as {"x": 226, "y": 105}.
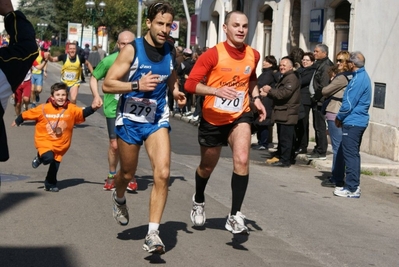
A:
{"x": 53, "y": 130}
{"x": 231, "y": 82}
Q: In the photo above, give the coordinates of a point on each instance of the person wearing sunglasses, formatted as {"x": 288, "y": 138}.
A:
{"x": 340, "y": 76}
{"x": 353, "y": 117}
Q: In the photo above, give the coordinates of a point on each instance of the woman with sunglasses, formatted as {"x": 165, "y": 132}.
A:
{"x": 333, "y": 93}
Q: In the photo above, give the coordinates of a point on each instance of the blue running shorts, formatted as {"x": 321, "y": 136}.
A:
{"x": 135, "y": 133}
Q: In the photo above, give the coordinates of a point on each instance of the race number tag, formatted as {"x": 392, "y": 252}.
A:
{"x": 140, "y": 109}
{"x": 230, "y": 105}
{"x": 69, "y": 76}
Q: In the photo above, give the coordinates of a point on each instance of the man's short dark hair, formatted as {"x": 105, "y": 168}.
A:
{"x": 160, "y": 7}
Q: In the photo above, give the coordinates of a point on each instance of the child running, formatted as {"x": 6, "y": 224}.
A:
{"x": 53, "y": 130}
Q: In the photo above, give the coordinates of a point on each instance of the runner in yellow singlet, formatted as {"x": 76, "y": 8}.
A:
{"x": 71, "y": 70}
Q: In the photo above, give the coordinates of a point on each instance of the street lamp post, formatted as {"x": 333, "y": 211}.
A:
{"x": 42, "y": 27}
{"x": 94, "y": 13}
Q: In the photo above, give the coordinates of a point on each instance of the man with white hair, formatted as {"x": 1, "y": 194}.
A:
{"x": 353, "y": 118}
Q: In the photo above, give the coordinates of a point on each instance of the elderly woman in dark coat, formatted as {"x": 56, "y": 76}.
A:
{"x": 269, "y": 76}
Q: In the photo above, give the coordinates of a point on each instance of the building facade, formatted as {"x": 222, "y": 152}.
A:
{"x": 277, "y": 26}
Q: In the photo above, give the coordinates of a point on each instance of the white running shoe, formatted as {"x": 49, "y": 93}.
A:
{"x": 344, "y": 192}
{"x": 236, "y": 224}
{"x": 120, "y": 211}
{"x": 153, "y": 243}
{"x": 197, "y": 213}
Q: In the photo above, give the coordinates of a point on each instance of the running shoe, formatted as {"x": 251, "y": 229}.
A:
{"x": 344, "y": 192}
{"x": 132, "y": 186}
{"x": 109, "y": 183}
{"x": 36, "y": 162}
{"x": 236, "y": 224}
{"x": 37, "y": 98}
{"x": 120, "y": 211}
{"x": 153, "y": 243}
{"x": 197, "y": 214}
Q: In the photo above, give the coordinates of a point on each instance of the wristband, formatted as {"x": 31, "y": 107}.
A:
{"x": 255, "y": 97}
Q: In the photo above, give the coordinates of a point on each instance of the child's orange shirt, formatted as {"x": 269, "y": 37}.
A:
{"x": 47, "y": 118}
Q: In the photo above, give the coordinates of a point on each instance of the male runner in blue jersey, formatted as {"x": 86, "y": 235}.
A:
{"x": 142, "y": 73}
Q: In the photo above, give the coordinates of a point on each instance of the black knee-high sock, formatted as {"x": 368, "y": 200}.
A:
{"x": 200, "y": 184}
{"x": 239, "y": 184}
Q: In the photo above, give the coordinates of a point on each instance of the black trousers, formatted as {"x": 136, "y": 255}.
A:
{"x": 286, "y": 137}
{"x": 48, "y": 158}
{"x": 302, "y": 131}
{"x": 320, "y": 128}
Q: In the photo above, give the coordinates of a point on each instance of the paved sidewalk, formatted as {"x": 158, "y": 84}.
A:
{"x": 377, "y": 168}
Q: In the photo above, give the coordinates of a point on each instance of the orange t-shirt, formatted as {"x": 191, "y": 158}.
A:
{"x": 47, "y": 118}
{"x": 229, "y": 72}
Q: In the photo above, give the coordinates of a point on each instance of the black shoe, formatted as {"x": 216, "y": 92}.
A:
{"x": 50, "y": 187}
{"x": 36, "y": 162}
{"x": 316, "y": 155}
{"x": 280, "y": 164}
{"x": 301, "y": 151}
{"x": 328, "y": 183}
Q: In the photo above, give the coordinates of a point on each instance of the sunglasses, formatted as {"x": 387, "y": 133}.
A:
{"x": 340, "y": 60}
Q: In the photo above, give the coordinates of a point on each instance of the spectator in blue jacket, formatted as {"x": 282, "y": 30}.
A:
{"x": 353, "y": 117}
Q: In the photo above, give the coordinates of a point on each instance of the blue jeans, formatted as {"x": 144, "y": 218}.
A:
{"x": 348, "y": 151}
{"x": 336, "y": 138}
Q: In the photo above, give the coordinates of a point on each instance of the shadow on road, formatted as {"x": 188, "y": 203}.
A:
{"x": 63, "y": 184}
{"x": 34, "y": 256}
{"x": 9, "y": 200}
{"x": 168, "y": 233}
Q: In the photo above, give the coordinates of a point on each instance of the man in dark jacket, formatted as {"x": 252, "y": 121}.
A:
{"x": 320, "y": 79}
{"x": 286, "y": 99}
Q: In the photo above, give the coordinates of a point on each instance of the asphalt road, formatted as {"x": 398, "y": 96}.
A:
{"x": 293, "y": 221}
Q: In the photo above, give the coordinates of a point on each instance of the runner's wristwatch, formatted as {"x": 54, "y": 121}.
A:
{"x": 135, "y": 86}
